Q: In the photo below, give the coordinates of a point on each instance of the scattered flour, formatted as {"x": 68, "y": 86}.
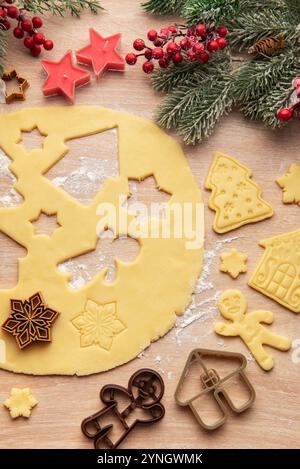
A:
{"x": 10, "y": 197}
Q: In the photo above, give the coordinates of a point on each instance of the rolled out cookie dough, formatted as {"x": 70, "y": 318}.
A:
{"x": 101, "y": 325}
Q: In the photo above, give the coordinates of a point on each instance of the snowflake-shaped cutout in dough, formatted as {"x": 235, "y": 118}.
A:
{"x": 20, "y": 403}
{"x": 290, "y": 185}
{"x": 98, "y": 324}
{"x": 233, "y": 263}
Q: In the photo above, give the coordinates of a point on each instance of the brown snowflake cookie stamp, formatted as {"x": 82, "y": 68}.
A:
{"x": 30, "y": 320}
{"x": 235, "y": 198}
{"x": 233, "y": 263}
{"x": 290, "y": 185}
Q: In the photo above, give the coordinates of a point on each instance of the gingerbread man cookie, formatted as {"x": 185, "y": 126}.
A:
{"x": 233, "y": 306}
{"x": 290, "y": 185}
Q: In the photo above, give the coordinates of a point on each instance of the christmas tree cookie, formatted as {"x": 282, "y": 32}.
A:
{"x": 290, "y": 185}
{"x": 235, "y": 198}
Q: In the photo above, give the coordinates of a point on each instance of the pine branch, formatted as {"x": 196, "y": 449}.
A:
{"x": 3, "y": 48}
{"x": 258, "y": 77}
{"x": 163, "y": 7}
{"x": 210, "y": 11}
{"x": 266, "y": 106}
{"x": 169, "y": 79}
{"x": 60, "y": 7}
{"x": 252, "y": 26}
{"x": 195, "y": 108}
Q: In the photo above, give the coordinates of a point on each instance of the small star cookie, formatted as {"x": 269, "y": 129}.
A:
{"x": 290, "y": 185}
{"x": 20, "y": 402}
{"x": 233, "y": 263}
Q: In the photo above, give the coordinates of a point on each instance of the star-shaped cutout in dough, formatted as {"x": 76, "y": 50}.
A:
{"x": 63, "y": 77}
{"x": 233, "y": 263}
{"x": 101, "y": 53}
{"x": 30, "y": 321}
{"x": 290, "y": 185}
{"x": 20, "y": 403}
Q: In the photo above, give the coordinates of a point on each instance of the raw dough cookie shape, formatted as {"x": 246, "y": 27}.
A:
{"x": 147, "y": 293}
{"x": 290, "y": 185}
{"x": 233, "y": 306}
{"x": 278, "y": 272}
{"x": 235, "y": 198}
{"x": 20, "y": 403}
{"x": 233, "y": 263}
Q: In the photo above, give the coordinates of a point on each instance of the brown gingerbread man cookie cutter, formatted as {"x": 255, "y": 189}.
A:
{"x": 144, "y": 391}
{"x": 23, "y": 85}
{"x": 210, "y": 383}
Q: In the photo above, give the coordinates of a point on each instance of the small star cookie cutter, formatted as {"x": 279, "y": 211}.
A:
{"x": 23, "y": 85}
{"x": 144, "y": 392}
{"x": 210, "y": 383}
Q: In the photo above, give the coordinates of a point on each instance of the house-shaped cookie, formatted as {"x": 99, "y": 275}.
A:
{"x": 278, "y": 273}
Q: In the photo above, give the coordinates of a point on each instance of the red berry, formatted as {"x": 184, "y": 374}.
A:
{"x": 212, "y": 46}
{"x": 185, "y": 43}
{"x": 2, "y": 13}
{"x": 10, "y": 1}
{"x": 139, "y": 44}
{"x": 191, "y": 32}
{"x": 163, "y": 63}
{"x": 38, "y": 38}
{"x": 191, "y": 55}
{"x": 157, "y": 53}
{"x": 131, "y": 59}
{"x": 222, "y": 43}
{"x": 222, "y": 31}
{"x": 200, "y": 29}
{"x": 5, "y": 25}
{"x": 296, "y": 82}
{"x": 192, "y": 39}
{"x": 48, "y": 44}
{"x": 198, "y": 47}
{"x": 204, "y": 57}
{"x": 177, "y": 58}
{"x": 36, "y": 50}
{"x": 158, "y": 42}
{"x": 37, "y": 22}
{"x": 285, "y": 114}
{"x": 148, "y": 54}
{"x": 164, "y": 33}
{"x": 172, "y": 47}
{"x": 172, "y": 29}
{"x": 152, "y": 35}
{"x": 148, "y": 67}
{"x": 12, "y": 12}
{"x": 18, "y": 32}
{"x": 26, "y": 25}
{"x": 28, "y": 42}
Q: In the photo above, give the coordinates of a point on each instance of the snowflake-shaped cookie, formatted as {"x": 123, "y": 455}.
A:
{"x": 98, "y": 324}
{"x": 233, "y": 263}
{"x": 20, "y": 403}
{"x": 290, "y": 185}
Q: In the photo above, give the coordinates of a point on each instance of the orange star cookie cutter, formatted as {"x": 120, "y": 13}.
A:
{"x": 212, "y": 384}
{"x": 23, "y": 85}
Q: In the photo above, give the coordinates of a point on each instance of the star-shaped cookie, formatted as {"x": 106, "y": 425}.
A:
{"x": 20, "y": 403}
{"x": 30, "y": 321}
{"x": 233, "y": 263}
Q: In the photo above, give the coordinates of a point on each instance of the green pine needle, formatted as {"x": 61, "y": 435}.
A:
{"x": 209, "y": 11}
{"x": 3, "y": 48}
{"x": 163, "y": 7}
{"x": 60, "y": 7}
{"x": 195, "y": 108}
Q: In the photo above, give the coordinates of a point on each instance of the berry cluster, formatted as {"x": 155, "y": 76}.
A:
{"x": 25, "y": 27}
{"x": 285, "y": 114}
{"x": 176, "y": 43}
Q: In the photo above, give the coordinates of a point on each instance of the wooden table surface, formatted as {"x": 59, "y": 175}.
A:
{"x": 274, "y": 420}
